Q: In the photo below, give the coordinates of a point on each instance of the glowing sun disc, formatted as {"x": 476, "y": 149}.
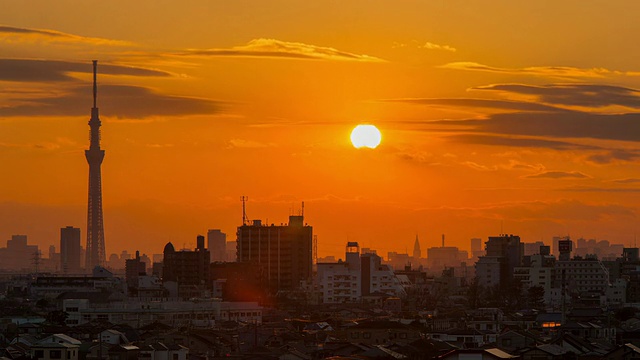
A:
{"x": 367, "y": 136}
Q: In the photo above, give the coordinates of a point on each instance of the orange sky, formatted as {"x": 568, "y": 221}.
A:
{"x": 493, "y": 115}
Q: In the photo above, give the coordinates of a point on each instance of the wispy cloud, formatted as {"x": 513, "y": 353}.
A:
{"x": 425, "y": 45}
{"x": 544, "y": 71}
{"x": 272, "y": 48}
{"x": 28, "y": 70}
{"x": 585, "y": 95}
{"x": 247, "y": 144}
{"x": 123, "y": 101}
{"x": 432, "y": 46}
{"x": 13, "y": 34}
{"x": 626, "y": 181}
{"x": 558, "y": 175}
{"x": 506, "y": 105}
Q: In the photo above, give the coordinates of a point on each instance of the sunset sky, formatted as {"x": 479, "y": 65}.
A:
{"x": 520, "y": 117}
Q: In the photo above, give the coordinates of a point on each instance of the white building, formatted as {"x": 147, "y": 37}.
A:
{"x": 582, "y": 275}
{"x": 360, "y": 274}
{"x": 198, "y": 313}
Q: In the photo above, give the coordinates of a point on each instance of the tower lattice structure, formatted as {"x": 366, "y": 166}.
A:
{"x": 95, "y": 252}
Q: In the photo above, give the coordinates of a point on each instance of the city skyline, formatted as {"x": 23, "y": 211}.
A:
{"x": 495, "y": 118}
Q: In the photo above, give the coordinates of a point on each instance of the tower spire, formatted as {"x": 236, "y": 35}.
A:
{"x": 95, "y": 82}
{"x": 95, "y": 250}
{"x": 416, "y": 249}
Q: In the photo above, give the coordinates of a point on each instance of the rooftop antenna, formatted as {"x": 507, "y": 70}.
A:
{"x": 442, "y": 240}
{"x": 302, "y": 209}
{"x": 244, "y": 200}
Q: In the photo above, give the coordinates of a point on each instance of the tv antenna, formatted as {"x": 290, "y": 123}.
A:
{"x": 244, "y": 200}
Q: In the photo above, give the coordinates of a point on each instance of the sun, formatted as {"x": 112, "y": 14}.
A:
{"x": 367, "y": 136}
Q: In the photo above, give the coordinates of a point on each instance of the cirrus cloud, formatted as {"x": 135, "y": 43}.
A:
{"x": 558, "y": 175}
{"x": 543, "y": 71}
{"x": 272, "y": 48}
{"x": 12, "y": 33}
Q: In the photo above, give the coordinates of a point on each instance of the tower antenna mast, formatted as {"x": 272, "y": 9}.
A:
{"x": 244, "y": 200}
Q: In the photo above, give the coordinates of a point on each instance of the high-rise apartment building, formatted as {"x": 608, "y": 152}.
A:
{"x": 503, "y": 254}
{"x": 283, "y": 253}
{"x": 70, "y": 250}
{"x": 188, "y": 269}
{"x": 217, "y": 244}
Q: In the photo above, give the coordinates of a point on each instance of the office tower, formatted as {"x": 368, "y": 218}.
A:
{"x": 217, "y": 244}
{"x": 283, "y": 253}
{"x": 70, "y": 250}
{"x": 95, "y": 252}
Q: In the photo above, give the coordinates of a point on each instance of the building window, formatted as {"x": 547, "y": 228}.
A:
{"x": 55, "y": 354}
{"x": 366, "y": 335}
{"x": 175, "y": 356}
{"x": 38, "y": 354}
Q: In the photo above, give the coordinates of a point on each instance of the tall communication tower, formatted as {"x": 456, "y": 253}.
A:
{"x": 95, "y": 251}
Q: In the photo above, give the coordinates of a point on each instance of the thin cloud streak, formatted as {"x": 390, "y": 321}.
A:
{"x": 12, "y": 33}
{"x": 507, "y": 105}
{"x": 541, "y": 71}
{"x": 31, "y": 70}
{"x": 272, "y": 48}
{"x": 558, "y": 175}
{"x": 122, "y": 101}
{"x": 585, "y": 95}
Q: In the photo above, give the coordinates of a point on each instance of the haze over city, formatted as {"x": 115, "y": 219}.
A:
{"x": 495, "y": 118}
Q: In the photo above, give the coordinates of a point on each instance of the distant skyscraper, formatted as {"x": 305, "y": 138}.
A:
{"x": 95, "y": 252}
{"x": 70, "y": 250}
{"x": 217, "y": 244}
{"x": 18, "y": 255}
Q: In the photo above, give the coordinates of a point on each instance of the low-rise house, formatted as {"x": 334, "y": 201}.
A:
{"x": 545, "y": 352}
{"x": 56, "y": 347}
{"x": 512, "y": 340}
{"x": 625, "y": 352}
{"x": 382, "y": 332}
{"x": 477, "y": 354}
{"x": 464, "y": 338}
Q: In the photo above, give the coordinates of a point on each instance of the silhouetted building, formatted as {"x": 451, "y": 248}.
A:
{"x": 70, "y": 250}
{"x": 18, "y": 255}
{"x": 217, "y": 244}
{"x": 565, "y": 246}
{"x": 231, "y": 253}
{"x": 234, "y": 281}
{"x": 416, "y": 250}
{"x": 95, "y": 253}
{"x": 189, "y": 269}
{"x": 284, "y": 253}
{"x": 133, "y": 269}
{"x": 503, "y": 254}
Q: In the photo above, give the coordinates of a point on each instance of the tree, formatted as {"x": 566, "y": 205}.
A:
{"x": 535, "y": 297}
{"x": 57, "y": 317}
